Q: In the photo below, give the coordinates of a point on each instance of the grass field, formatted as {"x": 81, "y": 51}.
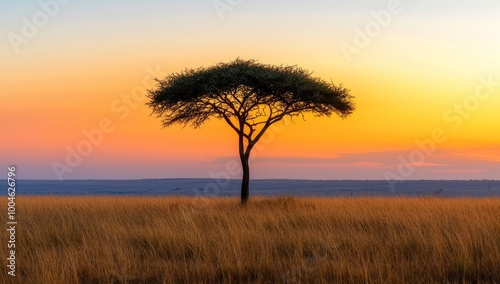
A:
{"x": 271, "y": 240}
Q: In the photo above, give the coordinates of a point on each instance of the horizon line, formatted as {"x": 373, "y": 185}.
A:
{"x": 256, "y": 179}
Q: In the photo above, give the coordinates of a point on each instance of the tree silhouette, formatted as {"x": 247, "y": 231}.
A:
{"x": 249, "y": 97}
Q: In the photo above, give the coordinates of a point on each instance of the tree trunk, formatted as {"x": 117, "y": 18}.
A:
{"x": 245, "y": 182}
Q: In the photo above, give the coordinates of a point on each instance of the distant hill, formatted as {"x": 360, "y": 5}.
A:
{"x": 210, "y": 187}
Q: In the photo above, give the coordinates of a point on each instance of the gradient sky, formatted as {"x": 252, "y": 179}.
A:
{"x": 426, "y": 81}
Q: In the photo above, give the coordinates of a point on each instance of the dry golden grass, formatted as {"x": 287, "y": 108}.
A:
{"x": 271, "y": 240}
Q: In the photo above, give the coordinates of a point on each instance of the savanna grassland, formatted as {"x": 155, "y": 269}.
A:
{"x": 271, "y": 240}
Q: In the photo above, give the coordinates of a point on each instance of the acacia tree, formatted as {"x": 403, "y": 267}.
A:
{"x": 249, "y": 97}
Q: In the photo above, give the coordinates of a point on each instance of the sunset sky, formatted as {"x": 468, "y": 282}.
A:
{"x": 425, "y": 76}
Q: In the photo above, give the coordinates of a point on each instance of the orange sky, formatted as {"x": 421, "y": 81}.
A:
{"x": 429, "y": 68}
